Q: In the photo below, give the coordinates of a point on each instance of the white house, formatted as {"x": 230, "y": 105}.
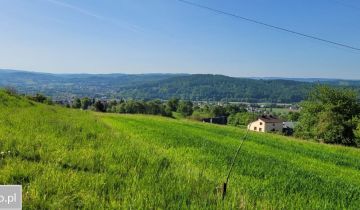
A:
{"x": 266, "y": 123}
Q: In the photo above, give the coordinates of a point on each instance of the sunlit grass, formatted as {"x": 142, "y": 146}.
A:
{"x": 67, "y": 159}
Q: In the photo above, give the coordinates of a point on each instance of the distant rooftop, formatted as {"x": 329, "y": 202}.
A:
{"x": 270, "y": 119}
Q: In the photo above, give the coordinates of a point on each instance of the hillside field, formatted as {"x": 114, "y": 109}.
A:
{"x": 71, "y": 159}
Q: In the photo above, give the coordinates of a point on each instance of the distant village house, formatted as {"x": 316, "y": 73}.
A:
{"x": 266, "y": 123}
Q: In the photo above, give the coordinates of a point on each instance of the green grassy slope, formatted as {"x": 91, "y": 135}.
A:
{"x": 68, "y": 159}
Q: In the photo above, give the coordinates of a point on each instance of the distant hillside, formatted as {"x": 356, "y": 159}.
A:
{"x": 202, "y": 87}
{"x": 67, "y": 85}
{"x": 72, "y": 159}
{"x": 221, "y": 88}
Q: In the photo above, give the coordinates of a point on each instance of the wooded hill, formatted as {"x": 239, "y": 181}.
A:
{"x": 221, "y": 88}
{"x": 201, "y": 87}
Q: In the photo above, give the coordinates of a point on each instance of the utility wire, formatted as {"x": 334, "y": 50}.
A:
{"x": 234, "y": 159}
{"x": 232, "y": 164}
{"x": 236, "y": 154}
{"x": 346, "y": 4}
{"x": 268, "y": 25}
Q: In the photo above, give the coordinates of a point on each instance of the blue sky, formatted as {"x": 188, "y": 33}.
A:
{"x": 167, "y": 36}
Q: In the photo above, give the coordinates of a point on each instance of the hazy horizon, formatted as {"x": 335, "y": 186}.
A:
{"x": 175, "y": 73}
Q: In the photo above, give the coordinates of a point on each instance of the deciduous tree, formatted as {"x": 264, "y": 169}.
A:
{"x": 328, "y": 115}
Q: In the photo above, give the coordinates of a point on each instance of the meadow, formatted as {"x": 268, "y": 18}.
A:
{"x": 72, "y": 159}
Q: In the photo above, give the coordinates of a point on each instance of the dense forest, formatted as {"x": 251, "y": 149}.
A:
{"x": 197, "y": 87}
{"x": 221, "y": 88}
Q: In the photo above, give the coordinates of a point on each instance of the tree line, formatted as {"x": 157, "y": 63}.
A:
{"x": 237, "y": 114}
{"x": 152, "y": 107}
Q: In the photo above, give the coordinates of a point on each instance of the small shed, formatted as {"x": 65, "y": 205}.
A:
{"x": 222, "y": 120}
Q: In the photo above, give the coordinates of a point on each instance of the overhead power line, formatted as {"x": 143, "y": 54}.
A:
{"x": 351, "y": 6}
{"x": 269, "y": 25}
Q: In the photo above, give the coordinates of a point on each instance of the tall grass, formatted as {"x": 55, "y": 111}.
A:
{"x": 68, "y": 159}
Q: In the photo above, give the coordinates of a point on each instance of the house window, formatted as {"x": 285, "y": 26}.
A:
{"x": 260, "y": 123}
{"x": 260, "y": 129}
{"x": 255, "y": 128}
